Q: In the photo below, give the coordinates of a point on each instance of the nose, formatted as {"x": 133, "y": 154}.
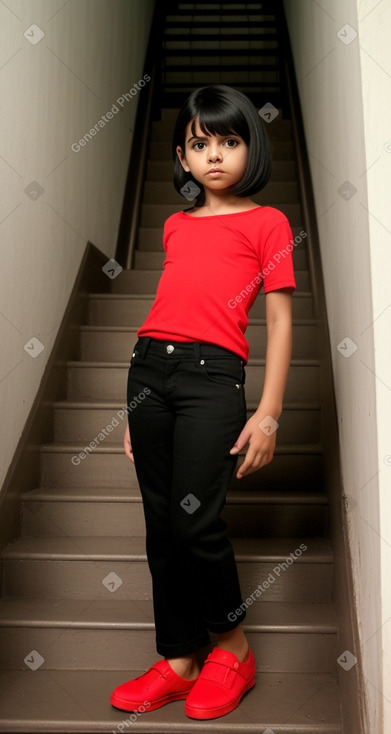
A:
{"x": 214, "y": 153}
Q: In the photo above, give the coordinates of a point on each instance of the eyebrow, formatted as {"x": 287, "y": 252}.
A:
{"x": 196, "y": 137}
{"x": 199, "y": 137}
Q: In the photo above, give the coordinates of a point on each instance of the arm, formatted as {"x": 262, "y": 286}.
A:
{"x": 278, "y": 356}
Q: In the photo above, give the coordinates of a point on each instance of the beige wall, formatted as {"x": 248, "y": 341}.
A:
{"x": 345, "y": 92}
{"x": 53, "y": 92}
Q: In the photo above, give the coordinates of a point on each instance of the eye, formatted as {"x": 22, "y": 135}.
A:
{"x": 231, "y": 143}
{"x": 198, "y": 146}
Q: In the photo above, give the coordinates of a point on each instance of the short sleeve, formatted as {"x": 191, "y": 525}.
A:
{"x": 276, "y": 258}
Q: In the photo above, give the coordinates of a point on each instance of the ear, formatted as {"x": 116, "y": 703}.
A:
{"x": 182, "y": 159}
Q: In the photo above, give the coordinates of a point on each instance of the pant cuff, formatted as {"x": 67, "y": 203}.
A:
{"x": 182, "y": 648}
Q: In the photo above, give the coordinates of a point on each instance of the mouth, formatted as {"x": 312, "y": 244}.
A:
{"x": 214, "y": 171}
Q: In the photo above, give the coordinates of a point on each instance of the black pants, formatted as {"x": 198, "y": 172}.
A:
{"x": 181, "y": 434}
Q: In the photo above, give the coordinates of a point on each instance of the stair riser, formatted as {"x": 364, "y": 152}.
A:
{"x": 64, "y": 649}
{"x": 163, "y": 192}
{"x": 77, "y": 425}
{"x": 109, "y": 383}
{"x": 103, "y": 469}
{"x": 72, "y": 579}
{"x": 130, "y": 311}
{"x": 147, "y": 260}
{"x": 114, "y": 346}
{"x": 282, "y": 150}
{"x": 75, "y": 519}
{"x": 163, "y": 171}
{"x": 154, "y": 215}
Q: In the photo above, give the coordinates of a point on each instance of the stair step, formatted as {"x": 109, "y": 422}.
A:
{"x": 64, "y": 465}
{"x": 97, "y": 635}
{"x": 115, "y": 309}
{"x": 146, "y": 281}
{"x": 154, "y": 215}
{"x": 78, "y": 421}
{"x": 103, "y": 343}
{"x": 75, "y": 568}
{"x": 220, "y": 20}
{"x": 107, "y": 381}
{"x": 163, "y": 192}
{"x": 103, "y": 512}
{"x": 163, "y": 171}
{"x": 240, "y": 50}
{"x": 78, "y": 702}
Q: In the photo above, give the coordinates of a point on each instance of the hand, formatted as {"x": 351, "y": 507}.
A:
{"x": 261, "y": 446}
{"x": 128, "y": 444}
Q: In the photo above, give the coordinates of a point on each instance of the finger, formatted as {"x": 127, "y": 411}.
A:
{"x": 240, "y": 441}
{"x": 249, "y": 460}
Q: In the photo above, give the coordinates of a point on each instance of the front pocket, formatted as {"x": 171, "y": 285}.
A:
{"x": 224, "y": 371}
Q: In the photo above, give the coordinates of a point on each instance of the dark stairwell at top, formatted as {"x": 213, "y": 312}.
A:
{"x": 76, "y": 613}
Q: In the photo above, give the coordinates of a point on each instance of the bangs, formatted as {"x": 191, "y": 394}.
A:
{"x": 217, "y": 119}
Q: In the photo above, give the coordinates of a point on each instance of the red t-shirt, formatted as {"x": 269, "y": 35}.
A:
{"x": 213, "y": 271}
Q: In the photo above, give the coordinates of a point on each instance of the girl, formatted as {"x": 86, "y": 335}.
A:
{"x": 185, "y": 436}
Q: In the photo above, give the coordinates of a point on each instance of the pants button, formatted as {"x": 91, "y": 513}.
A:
{"x": 170, "y": 349}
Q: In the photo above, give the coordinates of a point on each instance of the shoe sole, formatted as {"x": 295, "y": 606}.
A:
{"x": 129, "y": 706}
{"x": 223, "y": 710}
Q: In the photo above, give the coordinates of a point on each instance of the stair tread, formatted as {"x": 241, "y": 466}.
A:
{"x": 117, "y": 448}
{"x": 105, "y": 404}
{"x": 133, "y": 548}
{"x": 132, "y": 494}
{"x": 131, "y": 614}
{"x": 78, "y": 701}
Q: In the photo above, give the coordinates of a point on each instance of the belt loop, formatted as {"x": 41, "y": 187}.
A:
{"x": 144, "y": 345}
{"x": 197, "y": 352}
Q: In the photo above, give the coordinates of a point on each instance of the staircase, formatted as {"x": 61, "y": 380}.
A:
{"x": 76, "y": 613}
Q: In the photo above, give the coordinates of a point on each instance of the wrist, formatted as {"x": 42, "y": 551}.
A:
{"x": 265, "y": 409}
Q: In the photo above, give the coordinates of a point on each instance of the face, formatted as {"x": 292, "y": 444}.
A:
{"x": 216, "y": 161}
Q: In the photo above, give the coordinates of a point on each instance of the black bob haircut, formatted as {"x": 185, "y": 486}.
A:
{"x": 222, "y": 110}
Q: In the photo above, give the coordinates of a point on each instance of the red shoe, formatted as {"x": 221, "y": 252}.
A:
{"x": 220, "y": 686}
{"x": 151, "y": 690}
